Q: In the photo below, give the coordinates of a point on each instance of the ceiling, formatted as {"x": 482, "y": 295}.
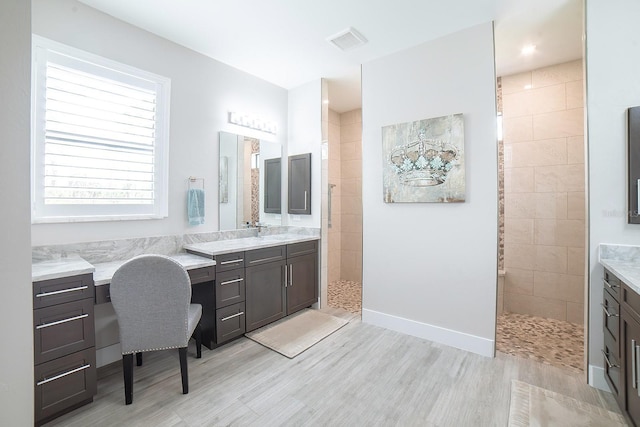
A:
{"x": 285, "y": 41}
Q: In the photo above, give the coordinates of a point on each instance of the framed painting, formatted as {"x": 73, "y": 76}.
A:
{"x": 423, "y": 161}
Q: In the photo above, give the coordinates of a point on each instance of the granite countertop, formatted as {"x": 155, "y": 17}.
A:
{"x": 65, "y": 266}
{"x": 220, "y": 247}
{"x": 627, "y": 271}
{"x": 104, "y": 270}
{"x": 623, "y": 261}
{"x": 74, "y": 265}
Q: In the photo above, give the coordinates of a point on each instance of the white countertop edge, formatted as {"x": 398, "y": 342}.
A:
{"x": 627, "y": 271}
{"x": 221, "y": 247}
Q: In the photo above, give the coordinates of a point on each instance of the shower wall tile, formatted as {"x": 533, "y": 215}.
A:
{"x": 564, "y": 287}
{"x": 575, "y": 149}
{"x": 535, "y": 306}
{"x": 518, "y": 230}
{"x": 519, "y": 281}
{"x": 575, "y": 313}
{"x": 515, "y": 82}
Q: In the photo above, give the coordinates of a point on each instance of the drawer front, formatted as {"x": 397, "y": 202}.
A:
{"x": 612, "y": 284}
{"x": 230, "y": 288}
{"x": 612, "y": 370}
{"x": 63, "y": 329}
{"x": 631, "y": 300}
{"x": 64, "y": 382}
{"x": 230, "y": 322}
{"x": 228, "y": 262}
{"x": 57, "y": 291}
{"x": 265, "y": 255}
{"x": 611, "y": 315}
{"x": 204, "y": 274}
{"x": 302, "y": 248}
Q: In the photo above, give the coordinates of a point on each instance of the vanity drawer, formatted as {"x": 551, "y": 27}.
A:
{"x": 611, "y": 315}
{"x": 612, "y": 284}
{"x": 204, "y": 274}
{"x": 265, "y": 255}
{"x": 230, "y": 288}
{"x": 230, "y": 322}
{"x": 612, "y": 371}
{"x": 630, "y": 300}
{"x": 63, "y": 329}
{"x": 65, "y": 383}
{"x": 57, "y": 291}
{"x": 302, "y": 248}
{"x": 228, "y": 262}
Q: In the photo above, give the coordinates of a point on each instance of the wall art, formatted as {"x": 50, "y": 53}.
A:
{"x": 423, "y": 161}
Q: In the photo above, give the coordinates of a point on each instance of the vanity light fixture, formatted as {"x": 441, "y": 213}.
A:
{"x": 252, "y": 122}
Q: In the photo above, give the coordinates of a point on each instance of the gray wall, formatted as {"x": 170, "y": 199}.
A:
{"x": 431, "y": 269}
{"x": 16, "y": 308}
{"x": 613, "y": 85}
{"x": 203, "y": 91}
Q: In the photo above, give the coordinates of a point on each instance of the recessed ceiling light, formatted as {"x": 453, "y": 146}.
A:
{"x": 527, "y": 86}
{"x": 528, "y": 49}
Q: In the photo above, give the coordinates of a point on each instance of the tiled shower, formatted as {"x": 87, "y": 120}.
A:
{"x": 345, "y": 231}
{"x": 543, "y": 232}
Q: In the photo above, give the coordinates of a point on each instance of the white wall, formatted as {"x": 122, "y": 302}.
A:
{"x": 16, "y": 307}
{"x": 430, "y": 270}
{"x": 613, "y": 85}
{"x": 203, "y": 91}
{"x": 305, "y": 136}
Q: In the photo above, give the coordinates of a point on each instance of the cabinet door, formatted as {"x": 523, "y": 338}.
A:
{"x": 302, "y": 280}
{"x": 300, "y": 184}
{"x": 631, "y": 360}
{"x": 265, "y": 294}
{"x": 272, "y": 186}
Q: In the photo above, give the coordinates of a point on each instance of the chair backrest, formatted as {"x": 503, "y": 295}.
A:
{"x": 151, "y": 296}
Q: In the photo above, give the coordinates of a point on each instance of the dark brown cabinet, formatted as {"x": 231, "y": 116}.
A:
{"x": 64, "y": 345}
{"x": 300, "y": 184}
{"x": 621, "y": 310}
{"x": 281, "y": 281}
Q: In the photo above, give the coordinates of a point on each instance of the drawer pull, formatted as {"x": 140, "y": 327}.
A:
{"x": 62, "y": 291}
{"x": 610, "y": 285}
{"x": 228, "y": 282}
{"x": 606, "y": 359}
{"x": 271, "y": 258}
{"x": 233, "y": 261}
{"x": 70, "y": 319}
{"x": 64, "y": 374}
{"x": 604, "y": 308}
{"x": 224, "y": 319}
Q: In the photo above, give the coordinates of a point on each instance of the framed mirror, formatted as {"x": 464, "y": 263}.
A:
{"x": 250, "y": 182}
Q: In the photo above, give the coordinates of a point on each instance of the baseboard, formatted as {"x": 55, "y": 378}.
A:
{"x": 461, "y": 340}
{"x": 108, "y": 354}
{"x": 596, "y": 378}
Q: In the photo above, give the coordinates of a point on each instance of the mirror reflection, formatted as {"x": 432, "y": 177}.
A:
{"x": 250, "y": 182}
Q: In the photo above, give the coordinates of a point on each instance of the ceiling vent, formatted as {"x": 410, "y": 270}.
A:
{"x": 347, "y": 39}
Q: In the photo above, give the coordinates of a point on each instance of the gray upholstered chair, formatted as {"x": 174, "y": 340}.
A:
{"x": 151, "y": 295}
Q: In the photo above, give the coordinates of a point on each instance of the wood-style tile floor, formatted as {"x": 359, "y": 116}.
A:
{"x": 550, "y": 341}
{"x": 361, "y": 375}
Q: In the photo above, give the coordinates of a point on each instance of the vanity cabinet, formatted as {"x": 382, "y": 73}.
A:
{"x": 630, "y": 328}
{"x": 299, "y": 200}
{"x": 621, "y": 327}
{"x": 203, "y": 293}
{"x": 230, "y": 297}
{"x": 280, "y": 281}
{"x": 64, "y": 345}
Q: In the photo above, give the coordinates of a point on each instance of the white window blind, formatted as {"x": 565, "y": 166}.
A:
{"x": 100, "y": 138}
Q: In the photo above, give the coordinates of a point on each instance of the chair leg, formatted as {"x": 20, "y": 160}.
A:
{"x": 138, "y": 359}
{"x": 183, "y": 369}
{"x": 198, "y": 336}
{"x": 127, "y": 367}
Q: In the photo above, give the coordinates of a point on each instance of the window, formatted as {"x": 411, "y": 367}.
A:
{"x": 100, "y": 138}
